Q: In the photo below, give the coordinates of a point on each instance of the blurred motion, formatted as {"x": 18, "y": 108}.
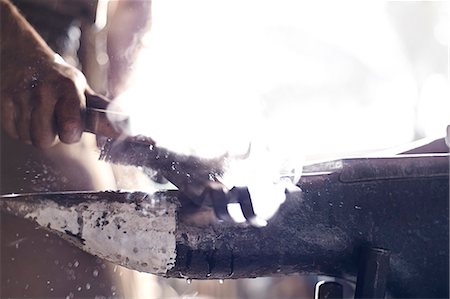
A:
{"x": 294, "y": 81}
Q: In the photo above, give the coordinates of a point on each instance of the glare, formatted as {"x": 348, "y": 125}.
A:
{"x": 287, "y": 78}
{"x": 310, "y": 77}
{"x": 441, "y": 30}
{"x": 434, "y": 105}
{"x": 234, "y": 209}
{"x": 101, "y": 14}
{"x": 290, "y": 79}
{"x": 266, "y": 198}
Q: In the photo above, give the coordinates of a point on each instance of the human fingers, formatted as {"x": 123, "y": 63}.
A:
{"x": 8, "y": 115}
{"x": 23, "y": 116}
{"x": 43, "y": 131}
{"x": 68, "y": 114}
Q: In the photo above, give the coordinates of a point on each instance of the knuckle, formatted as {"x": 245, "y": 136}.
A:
{"x": 66, "y": 84}
{"x": 72, "y": 79}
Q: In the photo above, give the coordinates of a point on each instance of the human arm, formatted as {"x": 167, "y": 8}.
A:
{"x": 127, "y": 24}
{"x": 41, "y": 96}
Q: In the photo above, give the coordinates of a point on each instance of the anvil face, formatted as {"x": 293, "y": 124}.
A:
{"x": 138, "y": 232}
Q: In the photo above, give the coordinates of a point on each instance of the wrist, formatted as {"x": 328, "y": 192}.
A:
{"x": 19, "y": 40}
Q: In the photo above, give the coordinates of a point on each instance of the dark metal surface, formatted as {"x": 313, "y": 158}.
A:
{"x": 219, "y": 199}
{"x": 372, "y": 273}
{"x": 398, "y": 203}
{"x": 347, "y": 205}
{"x": 329, "y": 290}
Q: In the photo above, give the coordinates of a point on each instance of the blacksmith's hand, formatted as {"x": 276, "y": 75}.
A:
{"x": 41, "y": 95}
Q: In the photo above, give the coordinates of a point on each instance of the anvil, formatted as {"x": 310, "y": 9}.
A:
{"x": 399, "y": 203}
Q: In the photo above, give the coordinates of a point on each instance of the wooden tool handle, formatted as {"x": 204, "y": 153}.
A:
{"x": 96, "y": 120}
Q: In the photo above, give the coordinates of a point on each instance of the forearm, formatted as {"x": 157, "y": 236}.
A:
{"x": 19, "y": 40}
{"x": 41, "y": 96}
{"x": 127, "y": 25}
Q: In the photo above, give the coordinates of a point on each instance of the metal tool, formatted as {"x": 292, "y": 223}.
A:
{"x": 195, "y": 177}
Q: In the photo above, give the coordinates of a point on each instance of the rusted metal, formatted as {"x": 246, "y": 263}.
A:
{"x": 344, "y": 205}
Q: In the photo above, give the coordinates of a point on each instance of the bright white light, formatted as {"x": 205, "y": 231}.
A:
{"x": 289, "y": 77}
{"x": 447, "y": 137}
{"x": 213, "y": 75}
{"x": 261, "y": 172}
{"x": 266, "y": 198}
{"x": 101, "y": 14}
{"x": 434, "y": 105}
{"x": 234, "y": 209}
{"x": 441, "y": 29}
